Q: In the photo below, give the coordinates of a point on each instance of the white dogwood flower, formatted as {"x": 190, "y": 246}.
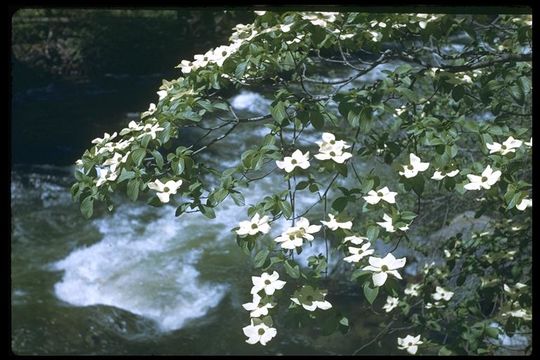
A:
{"x": 311, "y": 299}
{"x": 290, "y": 239}
{"x": 391, "y": 303}
{"x": 516, "y": 289}
{"x": 332, "y": 149}
{"x": 257, "y": 307}
{"x": 329, "y": 142}
{"x": 486, "y": 180}
{"x": 357, "y": 240}
{"x": 375, "y": 35}
{"x": 519, "y": 313}
{"x": 296, "y": 159}
{"x": 221, "y": 53}
{"x": 337, "y": 156}
{"x": 382, "y": 267}
{"x": 116, "y": 160}
{"x": 373, "y": 197}
{"x": 106, "y": 138}
{"x": 414, "y": 167}
{"x": 162, "y": 94}
{"x": 268, "y": 283}
{"x": 334, "y": 225}
{"x": 150, "y": 129}
{"x": 253, "y": 226}
{"x": 388, "y": 225}
{"x": 442, "y": 294}
{"x": 132, "y": 126}
{"x": 441, "y": 174}
{"x": 285, "y": 27}
{"x": 412, "y": 289}
{"x": 359, "y": 253}
{"x": 165, "y": 190}
{"x": 259, "y": 333}
{"x": 508, "y": 146}
{"x": 409, "y": 343}
{"x": 523, "y": 204}
{"x": 105, "y": 174}
{"x": 151, "y": 110}
{"x": 305, "y": 229}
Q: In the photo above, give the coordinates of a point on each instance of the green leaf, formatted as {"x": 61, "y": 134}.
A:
{"x": 366, "y": 119}
{"x": 316, "y": 119}
{"x": 445, "y": 352}
{"x": 492, "y": 332}
{"x": 372, "y": 233}
{"x": 514, "y": 200}
{"x": 159, "y": 158}
{"x": 358, "y": 273}
{"x": 342, "y": 169}
{"x": 133, "y": 189}
{"x": 218, "y": 196}
{"x": 207, "y": 211}
{"x": 181, "y": 209}
{"x": 458, "y": 92}
{"x": 302, "y": 185}
{"x": 408, "y": 93}
{"x": 278, "y": 112}
{"x": 238, "y": 198}
{"x": 293, "y": 271}
{"x": 286, "y": 208}
{"x": 340, "y": 203}
{"x": 241, "y": 69}
{"x": 402, "y": 69}
{"x": 178, "y": 166}
{"x": 353, "y": 118}
{"x": 125, "y": 175}
{"x": 260, "y": 258}
{"x": 417, "y": 184}
{"x": 370, "y": 293}
{"x": 367, "y": 185}
{"x": 137, "y": 156}
{"x": 87, "y": 207}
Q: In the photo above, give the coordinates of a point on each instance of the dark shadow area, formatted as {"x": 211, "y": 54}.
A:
{"x": 77, "y": 72}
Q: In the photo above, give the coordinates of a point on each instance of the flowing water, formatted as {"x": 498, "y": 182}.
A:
{"x": 139, "y": 280}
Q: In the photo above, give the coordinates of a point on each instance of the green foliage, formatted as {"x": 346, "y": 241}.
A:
{"x": 430, "y": 130}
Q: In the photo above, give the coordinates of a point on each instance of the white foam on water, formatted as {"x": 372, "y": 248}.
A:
{"x": 147, "y": 270}
{"x": 252, "y": 102}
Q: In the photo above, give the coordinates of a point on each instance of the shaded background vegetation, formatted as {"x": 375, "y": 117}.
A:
{"x": 78, "y": 71}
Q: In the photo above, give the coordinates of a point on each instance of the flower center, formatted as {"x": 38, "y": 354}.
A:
{"x": 503, "y": 147}
{"x": 223, "y": 53}
{"x": 267, "y": 282}
{"x": 254, "y": 226}
{"x": 410, "y": 167}
{"x": 261, "y": 331}
{"x": 147, "y": 130}
{"x": 380, "y": 194}
{"x": 332, "y": 142}
{"x": 205, "y": 58}
{"x": 484, "y": 179}
{"x": 293, "y": 161}
{"x": 332, "y": 153}
{"x": 410, "y": 343}
{"x": 384, "y": 268}
{"x": 291, "y": 237}
{"x": 166, "y": 189}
